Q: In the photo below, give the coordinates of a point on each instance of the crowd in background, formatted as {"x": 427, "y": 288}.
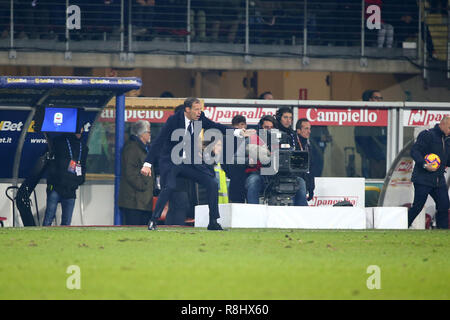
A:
{"x": 328, "y": 22}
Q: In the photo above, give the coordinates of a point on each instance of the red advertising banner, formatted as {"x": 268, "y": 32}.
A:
{"x": 225, "y": 114}
{"x": 423, "y": 117}
{"x": 344, "y": 116}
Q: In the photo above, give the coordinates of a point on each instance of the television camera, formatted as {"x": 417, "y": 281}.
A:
{"x": 286, "y": 167}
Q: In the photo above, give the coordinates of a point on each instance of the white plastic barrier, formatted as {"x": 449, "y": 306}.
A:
{"x": 316, "y": 217}
{"x": 387, "y": 218}
{"x": 94, "y": 205}
{"x": 262, "y": 216}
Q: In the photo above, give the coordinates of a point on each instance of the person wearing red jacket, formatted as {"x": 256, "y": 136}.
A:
{"x": 254, "y": 183}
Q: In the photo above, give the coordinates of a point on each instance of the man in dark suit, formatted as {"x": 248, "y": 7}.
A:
{"x": 185, "y": 161}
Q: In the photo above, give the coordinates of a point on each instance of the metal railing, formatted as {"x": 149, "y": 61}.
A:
{"x": 242, "y": 27}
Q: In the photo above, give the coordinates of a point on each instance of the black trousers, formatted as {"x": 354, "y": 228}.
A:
{"x": 134, "y": 217}
{"x": 168, "y": 183}
{"x": 440, "y": 197}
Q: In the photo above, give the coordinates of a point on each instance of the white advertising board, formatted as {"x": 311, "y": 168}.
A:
{"x": 329, "y": 191}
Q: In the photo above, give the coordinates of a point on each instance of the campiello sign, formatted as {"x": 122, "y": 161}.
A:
{"x": 133, "y": 115}
{"x": 345, "y": 117}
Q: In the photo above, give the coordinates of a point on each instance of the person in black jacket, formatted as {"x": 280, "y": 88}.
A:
{"x": 186, "y": 122}
{"x": 428, "y": 180}
{"x": 235, "y": 171}
{"x": 303, "y": 128}
{"x": 136, "y": 191}
{"x": 66, "y": 172}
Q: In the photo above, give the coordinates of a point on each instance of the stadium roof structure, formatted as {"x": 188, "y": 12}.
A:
{"x": 83, "y": 91}
{"x": 19, "y": 94}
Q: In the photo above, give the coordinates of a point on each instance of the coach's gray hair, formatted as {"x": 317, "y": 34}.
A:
{"x": 140, "y": 127}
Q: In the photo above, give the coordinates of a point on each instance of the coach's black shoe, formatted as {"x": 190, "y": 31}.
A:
{"x": 152, "y": 225}
{"x": 215, "y": 226}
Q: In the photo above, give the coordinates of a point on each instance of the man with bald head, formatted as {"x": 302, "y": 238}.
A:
{"x": 428, "y": 180}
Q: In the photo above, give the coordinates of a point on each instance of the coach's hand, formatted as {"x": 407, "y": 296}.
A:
{"x": 248, "y": 133}
{"x": 146, "y": 171}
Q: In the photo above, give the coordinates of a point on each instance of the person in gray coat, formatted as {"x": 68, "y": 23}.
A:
{"x": 136, "y": 190}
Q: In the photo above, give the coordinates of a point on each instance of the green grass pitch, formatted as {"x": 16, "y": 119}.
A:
{"x": 196, "y": 264}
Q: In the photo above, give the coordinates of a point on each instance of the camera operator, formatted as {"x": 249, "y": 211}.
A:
{"x": 292, "y": 141}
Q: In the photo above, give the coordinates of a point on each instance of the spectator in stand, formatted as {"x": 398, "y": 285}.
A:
{"x": 405, "y": 16}
{"x": 142, "y": 17}
{"x": 198, "y": 19}
{"x": 292, "y": 20}
{"x": 263, "y": 21}
{"x": 225, "y": 16}
{"x": 348, "y": 23}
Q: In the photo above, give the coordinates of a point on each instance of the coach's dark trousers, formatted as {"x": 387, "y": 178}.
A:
{"x": 197, "y": 173}
{"x": 440, "y": 197}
